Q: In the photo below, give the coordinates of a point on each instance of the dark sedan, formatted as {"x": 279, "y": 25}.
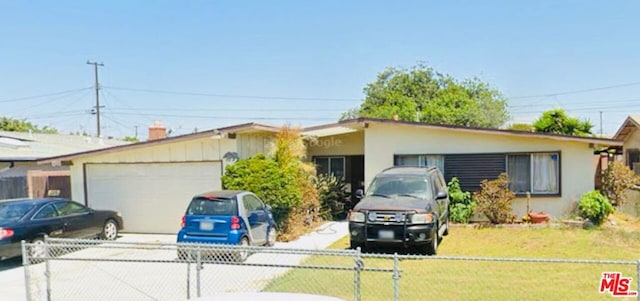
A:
{"x": 32, "y": 219}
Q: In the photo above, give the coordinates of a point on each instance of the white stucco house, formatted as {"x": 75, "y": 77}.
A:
{"x": 151, "y": 182}
{"x": 555, "y": 169}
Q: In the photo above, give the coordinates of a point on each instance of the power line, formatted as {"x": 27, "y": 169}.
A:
{"x": 43, "y": 95}
{"x": 577, "y": 91}
{"x": 231, "y": 95}
{"x": 232, "y": 117}
{"x": 225, "y": 110}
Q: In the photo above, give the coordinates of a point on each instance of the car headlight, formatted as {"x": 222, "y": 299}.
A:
{"x": 357, "y": 217}
{"x": 423, "y": 218}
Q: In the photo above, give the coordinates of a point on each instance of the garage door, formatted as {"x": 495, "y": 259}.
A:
{"x": 152, "y": 197}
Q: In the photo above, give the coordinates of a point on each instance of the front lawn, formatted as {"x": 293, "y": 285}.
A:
{"x": 440, "y": 279}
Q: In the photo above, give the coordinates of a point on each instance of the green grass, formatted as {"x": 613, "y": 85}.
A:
{"x": 437, "y": 279}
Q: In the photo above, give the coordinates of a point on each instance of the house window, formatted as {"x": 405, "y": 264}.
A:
{"x": 633, "y": 155}
{"x": 538, "y": 173}
{"x": 420, "y": 161}
{"x": 330, "y": 166}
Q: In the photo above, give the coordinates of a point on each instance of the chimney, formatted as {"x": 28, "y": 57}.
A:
{"x": 157, "y": 131}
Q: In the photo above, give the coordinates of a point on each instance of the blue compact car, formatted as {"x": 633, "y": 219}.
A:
{"x": 228, "y": 217}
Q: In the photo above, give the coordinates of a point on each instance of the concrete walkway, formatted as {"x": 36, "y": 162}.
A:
{"x": 160, "y": 277}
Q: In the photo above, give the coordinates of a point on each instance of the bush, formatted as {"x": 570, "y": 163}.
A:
{"x": 462, "y": 206}
{"x": 494, "y": 200}
{"x": 595, "y": 207}
{"x": 262, "y": 176}
{"x": 616, "y": 180}
{"x": 334, "y": 199}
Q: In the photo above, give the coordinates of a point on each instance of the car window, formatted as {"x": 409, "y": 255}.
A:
{"x": 405, "y": 185}
{"x": 211, "y": 206}
{"x": 46, "y": 212}
{"x": 70, "y": 208}
{"x": 14, "y": 211}
{"x": 256, "y": 204}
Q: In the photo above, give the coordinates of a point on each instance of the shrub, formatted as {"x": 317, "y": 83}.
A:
{"x": 284, "y": 182}
{"x": 262, "y": 176}
{"x": 494, "y": 200}
{"x": 616, "y": 180}
{"x": 462, "y": 206}
{"x": 595, "y": 207}
{"x": 334, "y": 199}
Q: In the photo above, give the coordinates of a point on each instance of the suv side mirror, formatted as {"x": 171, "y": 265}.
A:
{"x": 441, "y": 195}
{"x": 359, "y": 193}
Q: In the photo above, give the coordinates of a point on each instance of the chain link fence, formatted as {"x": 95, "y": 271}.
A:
{"x": 64, "y": 269}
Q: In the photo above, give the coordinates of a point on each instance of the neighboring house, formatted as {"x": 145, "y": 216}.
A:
{"x": 629, "y": 135}
{"x": 555, "y": 169}
{"x": 152, "y": 182}
{"x": 20, "y": 176}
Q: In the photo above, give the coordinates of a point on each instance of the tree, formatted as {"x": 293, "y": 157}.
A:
{"x": 425, "y": 95}
{"x": 16, "y": 125}
{"x": 352, "y": 113}
{"x": 131, "y": 139}
{"x": 556, "y": 121}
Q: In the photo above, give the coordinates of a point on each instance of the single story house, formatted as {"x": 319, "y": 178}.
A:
{"x": 554, "y": 169}
{"x": 152, "y": 182}
{"x": 21, "y": 176}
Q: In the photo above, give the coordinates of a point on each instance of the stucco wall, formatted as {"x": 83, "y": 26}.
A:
{"x": 345, "y": 144}
{"x": 576, "y": 161}
{"x": 186, "y": 151}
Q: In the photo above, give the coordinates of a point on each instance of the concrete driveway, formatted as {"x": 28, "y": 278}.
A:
{"x": 142, "y": 275}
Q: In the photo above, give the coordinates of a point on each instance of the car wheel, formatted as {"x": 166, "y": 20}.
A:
{"x": 242, "y": 255}
{"x": 110, "y": 230}
{"x": 271, "y": 237}
{"x": 432, "y": 248}
{"x": 184, "y": 254}
{"x": 38, "y": 250}
{"x": 355, "y": 245}
{"x": 446, "y": 224}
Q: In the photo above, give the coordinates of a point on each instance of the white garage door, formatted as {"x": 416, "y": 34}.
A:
{"x": 152, "y": 197}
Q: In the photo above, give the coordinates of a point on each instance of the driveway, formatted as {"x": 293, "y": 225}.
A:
{"x": 163, "y": 276}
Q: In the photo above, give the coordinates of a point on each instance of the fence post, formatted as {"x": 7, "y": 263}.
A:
{"x": 188, "y": 278}
{"x": 358, "y": 264}
{"x": 638, "y": 280}
{"x": 396, "y": 277}
{"x": 26, "y": 263}
{"x": 47, "y": 271}
{"x": 198, "y": 268}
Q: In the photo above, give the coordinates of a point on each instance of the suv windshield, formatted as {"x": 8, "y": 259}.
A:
{"x": 206, "y": 206}
{"x": 14, "y": 211}
{"x": 414, "y": 186}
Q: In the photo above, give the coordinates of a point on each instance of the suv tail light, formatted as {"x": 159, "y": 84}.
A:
{"x": 235, "y": 223}
{"x": 5, "y": 233}
{"x": 183, "y": 222}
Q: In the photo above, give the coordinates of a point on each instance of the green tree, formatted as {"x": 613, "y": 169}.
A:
{"x": 425, "y": 95}
{"x": 131, "y": 139}
{"x": 16, "y": 125}
{"x": 557, "y": 121}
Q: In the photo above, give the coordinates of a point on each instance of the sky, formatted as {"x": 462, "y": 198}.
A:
{"x": 199, "y": 65}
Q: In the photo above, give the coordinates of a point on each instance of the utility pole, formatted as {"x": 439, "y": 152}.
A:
{"x": 97, "y": 86}
{"x": 600, "y": 123}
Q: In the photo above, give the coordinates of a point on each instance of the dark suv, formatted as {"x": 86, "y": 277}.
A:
{"x": 404, "y": 206}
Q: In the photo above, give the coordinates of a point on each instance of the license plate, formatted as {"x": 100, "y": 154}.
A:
{"x": 206, "y": 226}
{"x": 385, "y": 234}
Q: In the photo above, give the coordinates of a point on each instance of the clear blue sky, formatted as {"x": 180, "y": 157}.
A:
{"x": 303, "y": 49}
